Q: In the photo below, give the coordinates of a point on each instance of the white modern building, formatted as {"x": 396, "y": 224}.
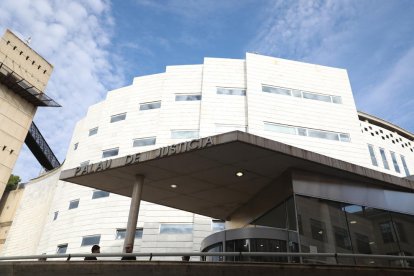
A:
{"x": 307, "y": 106}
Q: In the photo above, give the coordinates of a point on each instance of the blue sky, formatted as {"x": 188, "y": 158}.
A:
{"x": 98, "y": 45}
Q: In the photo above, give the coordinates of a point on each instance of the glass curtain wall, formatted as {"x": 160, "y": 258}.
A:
{"x": 328, "y": 227}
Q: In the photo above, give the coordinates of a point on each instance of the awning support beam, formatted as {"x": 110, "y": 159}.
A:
{"x": 133, "y": 211}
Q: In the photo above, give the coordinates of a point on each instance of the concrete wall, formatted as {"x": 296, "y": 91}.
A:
{"x": 8, "y": 206}
{"x": 16, "y": 114}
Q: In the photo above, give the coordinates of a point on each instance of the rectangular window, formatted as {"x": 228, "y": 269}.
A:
{"x": 74, "y": 204}
{"x": 75, "y": 146}
{"x": 276, "y": 90}
{"x": 151, "y": 105}
{"x": 322, "y": 134}
{"x": 336, "y": 99}
{"x": 395, "y": 163}
{"x": 297, "y": 93}
{"x": 279, "y": 128}
{"x": 176, "y": 228}
{"x": 344, "y": 137}
{"x": 301, "y": 94}
{"x": 93, "y": 131}
{"x": 386, "y": 232}
{"x": 318, "y": 230}
{"x": 372, "y": 154}
{"x": 55, "y": 215}
{"x": 218, "y": 225}
{"x": 84, "y": 163}
{"x": 98, "y": 194}
{"x": 91, "y": 240}
{"x": 384, "y": 159}
{"x": 142, "y": 142}
{"x": 407, "y": 172}
{"x": 342, "y": 238}
{"x": 362, "y": 243}
{"x": 187, "y": 97}
{"x": 184, "y": 134}
{"x": 61, "y": 248}
{"x": 120, "y": 233}
{"x": 231, "y": 91}
{"x": 118, "y": 117}
{"x": 317, "y": 97}
{"x": 110, "y": 152}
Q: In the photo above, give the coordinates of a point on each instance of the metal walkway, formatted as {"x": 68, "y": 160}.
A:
{"x": 40, "y": 149}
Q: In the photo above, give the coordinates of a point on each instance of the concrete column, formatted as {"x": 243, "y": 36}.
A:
{"x": 134, "y": 211}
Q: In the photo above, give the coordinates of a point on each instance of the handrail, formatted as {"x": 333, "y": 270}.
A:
{"x": 206, "y": 254}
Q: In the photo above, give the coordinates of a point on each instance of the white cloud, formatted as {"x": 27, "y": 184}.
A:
{"x": 75, "y": 37}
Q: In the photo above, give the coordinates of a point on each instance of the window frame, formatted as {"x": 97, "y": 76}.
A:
{"x": 90, "y": 243}
{"x": 74, "y": 201}
{"x": 93, "y": 131}
{"x": 150, "y": 105}
{"x": 109, "y": 150}
{"x": 190, "y": 97}
{"x": 118, "y": 117}
{"x": 152, "y": 138}
{"x": 103, "y": 194}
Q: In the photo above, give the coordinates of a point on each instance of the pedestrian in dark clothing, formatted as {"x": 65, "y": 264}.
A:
{"x": 95, "y": 249}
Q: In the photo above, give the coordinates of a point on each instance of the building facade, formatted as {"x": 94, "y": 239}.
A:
{"x": 303, "y": 105}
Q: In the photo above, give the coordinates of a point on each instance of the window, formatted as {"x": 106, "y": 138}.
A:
{"x": 55, "y": 215}
{"x": 384, "y": 159}
{"x": 323, "y": 134}
{"x": 110, "y": 152}
{"x": 91, "y": 240}
{"x": 342, "y": 238}
{"x": 142, "y": 142}
{"x": 231, "y": 91}
{"x": 120, "y": 233}
{"x": 61, "y": 248}
{"x": 84, "y": 163}
{"x": 301, "y": 131}
{"x": 118, "y": 117}
{"x": 187, "y": 97}
{"x": 280, "y": 128}
{"x": 98, "y": 194}
{"x": 395, "y": 163}
{"x": 317, "y": 97}
{"x": 407, "y": 172}
{"x": 276, "y": 90}
{"x": 218, "y": 225}
{"x": 75, "y": 146}
{"x": 178, "y": 228}
{"x": 386, "y": 232}
{"x": 74, "y": 204}
{"x": 336, "y": 99}
{"x": 302, "y": 94}
{"x": 318, "y": 230}
{"x": 151, "y": 105}
{"x": 399, "y": 227}
{"x": 362, "y": 244}
{"x": 93, "y": 131}
{"x": 372, "y": 154}
{"x": 184, "y": 134}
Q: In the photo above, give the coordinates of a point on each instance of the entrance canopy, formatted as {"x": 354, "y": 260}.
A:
{"x": 215, "y": 176}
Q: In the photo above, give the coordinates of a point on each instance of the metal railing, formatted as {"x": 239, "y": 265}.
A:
{"x": 404, "y": 260}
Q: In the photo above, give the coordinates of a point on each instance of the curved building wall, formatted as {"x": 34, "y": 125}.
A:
{"x": 305, "y": 105}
